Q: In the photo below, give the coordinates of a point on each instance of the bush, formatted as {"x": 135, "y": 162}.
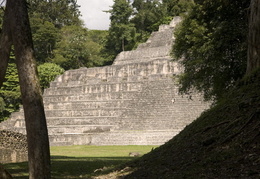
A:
{"x": 47, "y": 73}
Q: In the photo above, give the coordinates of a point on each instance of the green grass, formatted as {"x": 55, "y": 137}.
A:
{"x": 81, "y": 161}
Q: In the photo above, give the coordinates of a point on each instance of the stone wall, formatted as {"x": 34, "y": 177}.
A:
{"x": 135, "y": 101}
{"x": 13, "y": 147}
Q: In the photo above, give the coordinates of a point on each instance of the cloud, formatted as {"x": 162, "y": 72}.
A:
{"x": 93, "y": 15}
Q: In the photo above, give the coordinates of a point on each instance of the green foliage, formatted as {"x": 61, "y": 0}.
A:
{"x": 147, "y": 15}
{"x": 121, "y": 34}
{"x": 45, "y": 36}
{"x": 59, "y": 37}
{"x": 47, "y": 73}
{"x": 120, "y": 12}
{"x": 10, "y": 92}
{"x": 177, "y": 7}
{"x": 71, "y": 50}
{"x": 76, "y": 49}
{"x": 211, "y": 43}
{"x": 2, "y": 104}
{"x": 98, "y": 36}
{"x": 58, "y": 12}
{"x": 47, "y": 18}
{"x": 121, "y": 37}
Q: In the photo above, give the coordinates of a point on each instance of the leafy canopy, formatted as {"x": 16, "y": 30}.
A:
{"x": 121, "y": 34}
{"x": 147, "y": 17}
{"x": 76, "y": 49}
{"x": 211, "y": 45}
{"x": 10, "y": 95}
{"x": 58, "y": 12}
{"x": 47, "y": 73}
{"x": 45, "y": 37}
{"x": 177, "y": 7}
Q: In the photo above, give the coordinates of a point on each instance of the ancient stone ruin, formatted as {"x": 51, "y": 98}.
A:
{"x": 13, "y": 147}
{"x": 135, "y": 101}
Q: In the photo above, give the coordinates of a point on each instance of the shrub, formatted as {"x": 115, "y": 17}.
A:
{"x": 47, "y": 73}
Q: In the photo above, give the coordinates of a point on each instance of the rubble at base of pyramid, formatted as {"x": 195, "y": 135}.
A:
{"x": 135, "y": 101}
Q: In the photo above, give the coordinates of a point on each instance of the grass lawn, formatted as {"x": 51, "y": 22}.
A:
{"x": 81, "y": 161}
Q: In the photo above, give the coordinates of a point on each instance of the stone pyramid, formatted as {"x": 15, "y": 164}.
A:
{"x": 135, "y": 101}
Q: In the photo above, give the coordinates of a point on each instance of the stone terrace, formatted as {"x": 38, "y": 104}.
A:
{"x": 135, "y": 101}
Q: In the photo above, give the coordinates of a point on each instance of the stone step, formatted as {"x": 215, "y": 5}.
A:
{"x": 52, "y": 121}
{"x": 97, "y": 88}
{"x": 157, "y": 110}
{"x": 127, "y": 95}
{"x": 90, "y": 96}
{"x": 84, "y": 113}
{"x": 71, "y": 129}
{"x": 130, "y": 123}
{"x": 158, "y": 39}
{"x": 125, "y": 79}
{"x": 81, "y": 129}
{"x": 70, "y": 139}
{"x": 18, "y": 125}
{"x": 53, "y": 142}
{"x": 147, "y": 55}
{"x": 117, "y": 71}
{"x": 152, "y": 137}
{"x": 118, "y": 103}
{"x": 117, "y": 89}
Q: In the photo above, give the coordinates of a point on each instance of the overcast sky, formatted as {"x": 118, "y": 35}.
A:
{"x": 93, "y": 15}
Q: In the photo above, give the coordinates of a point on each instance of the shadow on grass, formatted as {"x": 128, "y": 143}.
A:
{"x": 17, "y": 170}
{"x": 71, "y": 167}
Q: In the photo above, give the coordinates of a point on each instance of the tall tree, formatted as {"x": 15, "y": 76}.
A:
{"x": 5, "y": 46}
{"x": 45, "y": 37}
{"x": 147, "y": 16}
{"x": 121, "y": 32}
{"x": 10, "y": 91}
{"x": 212, "y": 46}
{"x": 177, "y": 7}
{"x": 58, "y": 12}
{"x": 47, "y": 18}
{"x": 16, "y": 30}
{"x": 253, "y": 54}
{"x": 76, "y": 49}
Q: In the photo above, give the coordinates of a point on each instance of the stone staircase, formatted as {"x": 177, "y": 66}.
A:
{"x": 135, "y": 101}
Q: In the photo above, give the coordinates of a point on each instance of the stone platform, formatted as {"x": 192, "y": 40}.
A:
{"x": 135, "y": 101}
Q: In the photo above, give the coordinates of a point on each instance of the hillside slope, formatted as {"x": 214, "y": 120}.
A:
{"x": 222, "y": 143}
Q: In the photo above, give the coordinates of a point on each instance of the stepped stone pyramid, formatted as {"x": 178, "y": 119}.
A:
{"x": 135, "y": 101}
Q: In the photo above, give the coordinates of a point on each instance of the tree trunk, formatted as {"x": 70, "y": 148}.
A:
{"x": 253, "y": 54}
{"x": 37, "y": 134}
{"x": 5, "y": 46}
{"x": 123, "y": 44}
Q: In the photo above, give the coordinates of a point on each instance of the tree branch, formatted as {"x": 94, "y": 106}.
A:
{"x": 5, "y": 45}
